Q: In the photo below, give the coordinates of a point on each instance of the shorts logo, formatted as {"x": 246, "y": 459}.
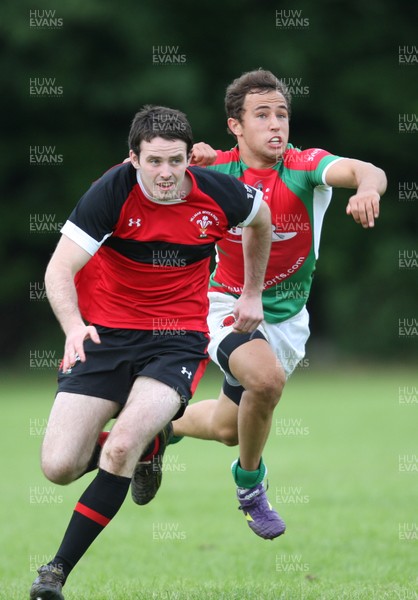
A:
{"x": 184, "y": 371}
{"x": 70, "y": 370}
{"x": 133, "y": 222}
{"x": 228, "y": 321}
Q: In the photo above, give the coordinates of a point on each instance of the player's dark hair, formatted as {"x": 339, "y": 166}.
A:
{"x": 159, "y": 121}
{"x": 252, "y": 82}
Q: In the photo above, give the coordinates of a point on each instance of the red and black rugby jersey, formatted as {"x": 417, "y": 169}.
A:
{"x": 150, "y": 259}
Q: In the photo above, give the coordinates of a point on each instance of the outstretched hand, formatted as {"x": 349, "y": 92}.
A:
{"x": 364, "y": 207}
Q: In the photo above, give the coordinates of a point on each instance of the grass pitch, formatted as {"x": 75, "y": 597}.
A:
{"x": 342, "y": 463}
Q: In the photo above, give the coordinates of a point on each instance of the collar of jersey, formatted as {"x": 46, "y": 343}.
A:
{"x": 265, "y": 171}
{"x": 149, "y": 197}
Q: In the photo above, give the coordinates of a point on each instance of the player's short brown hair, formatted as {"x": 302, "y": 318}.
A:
{"x": 252, "y": 82}
{"x": 159, "y": 121}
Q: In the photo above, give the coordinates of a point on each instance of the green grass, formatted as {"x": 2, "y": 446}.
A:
{"x": 334, "y": 474}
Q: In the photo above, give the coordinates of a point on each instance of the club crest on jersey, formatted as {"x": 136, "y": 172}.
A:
{"x": 203, "y": 220}
{"x": 204, "y": 223}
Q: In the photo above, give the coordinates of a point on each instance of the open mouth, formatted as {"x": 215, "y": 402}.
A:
{"x": 166, "y": 186}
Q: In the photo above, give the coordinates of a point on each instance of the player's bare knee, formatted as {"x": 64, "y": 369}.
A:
{"x": 116, "y": 454}
{"x": 267, "y": 387}
{"x": 58, "y": 472}
{"x": 228, "y": 435}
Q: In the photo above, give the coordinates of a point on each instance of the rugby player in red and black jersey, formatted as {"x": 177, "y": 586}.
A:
{"x": 128, "y": 284}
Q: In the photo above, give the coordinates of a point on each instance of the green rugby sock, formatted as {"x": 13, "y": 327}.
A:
{"x": 175, "y": 439}
{"x": 248, "y": 479}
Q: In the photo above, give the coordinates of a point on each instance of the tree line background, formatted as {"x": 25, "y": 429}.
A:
{"x": 74, "y": 74}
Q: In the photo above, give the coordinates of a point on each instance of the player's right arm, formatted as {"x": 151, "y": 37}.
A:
{"x": 66, "y": 261}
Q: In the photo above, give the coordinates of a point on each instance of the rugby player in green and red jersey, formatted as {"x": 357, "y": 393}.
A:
{"x": 297, "y": 186}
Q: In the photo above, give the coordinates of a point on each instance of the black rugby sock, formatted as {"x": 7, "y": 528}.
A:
{"x": 96, "y": 507}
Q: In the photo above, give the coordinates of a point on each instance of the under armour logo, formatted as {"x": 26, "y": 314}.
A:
{"x": 250, "y": 191}
{"x": 137, "y": 222}
{"x": 184, "y": 371}
{"x": 70, "y": 370}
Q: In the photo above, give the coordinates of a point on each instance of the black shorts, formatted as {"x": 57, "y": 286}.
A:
{"x": 176, "y": 358}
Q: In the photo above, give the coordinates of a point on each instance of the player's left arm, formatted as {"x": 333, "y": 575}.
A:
{"x": 256, "y": 243}
{"x": 369, "y": 181}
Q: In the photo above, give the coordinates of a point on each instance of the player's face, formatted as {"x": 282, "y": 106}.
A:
{"x": 162, "y": 164}
{"x": 263, "y": 132}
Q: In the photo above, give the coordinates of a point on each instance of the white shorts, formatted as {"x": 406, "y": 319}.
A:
{"x": 287, "y": 339}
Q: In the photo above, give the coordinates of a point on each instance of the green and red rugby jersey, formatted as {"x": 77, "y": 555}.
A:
{"x": 298, "y": 197}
